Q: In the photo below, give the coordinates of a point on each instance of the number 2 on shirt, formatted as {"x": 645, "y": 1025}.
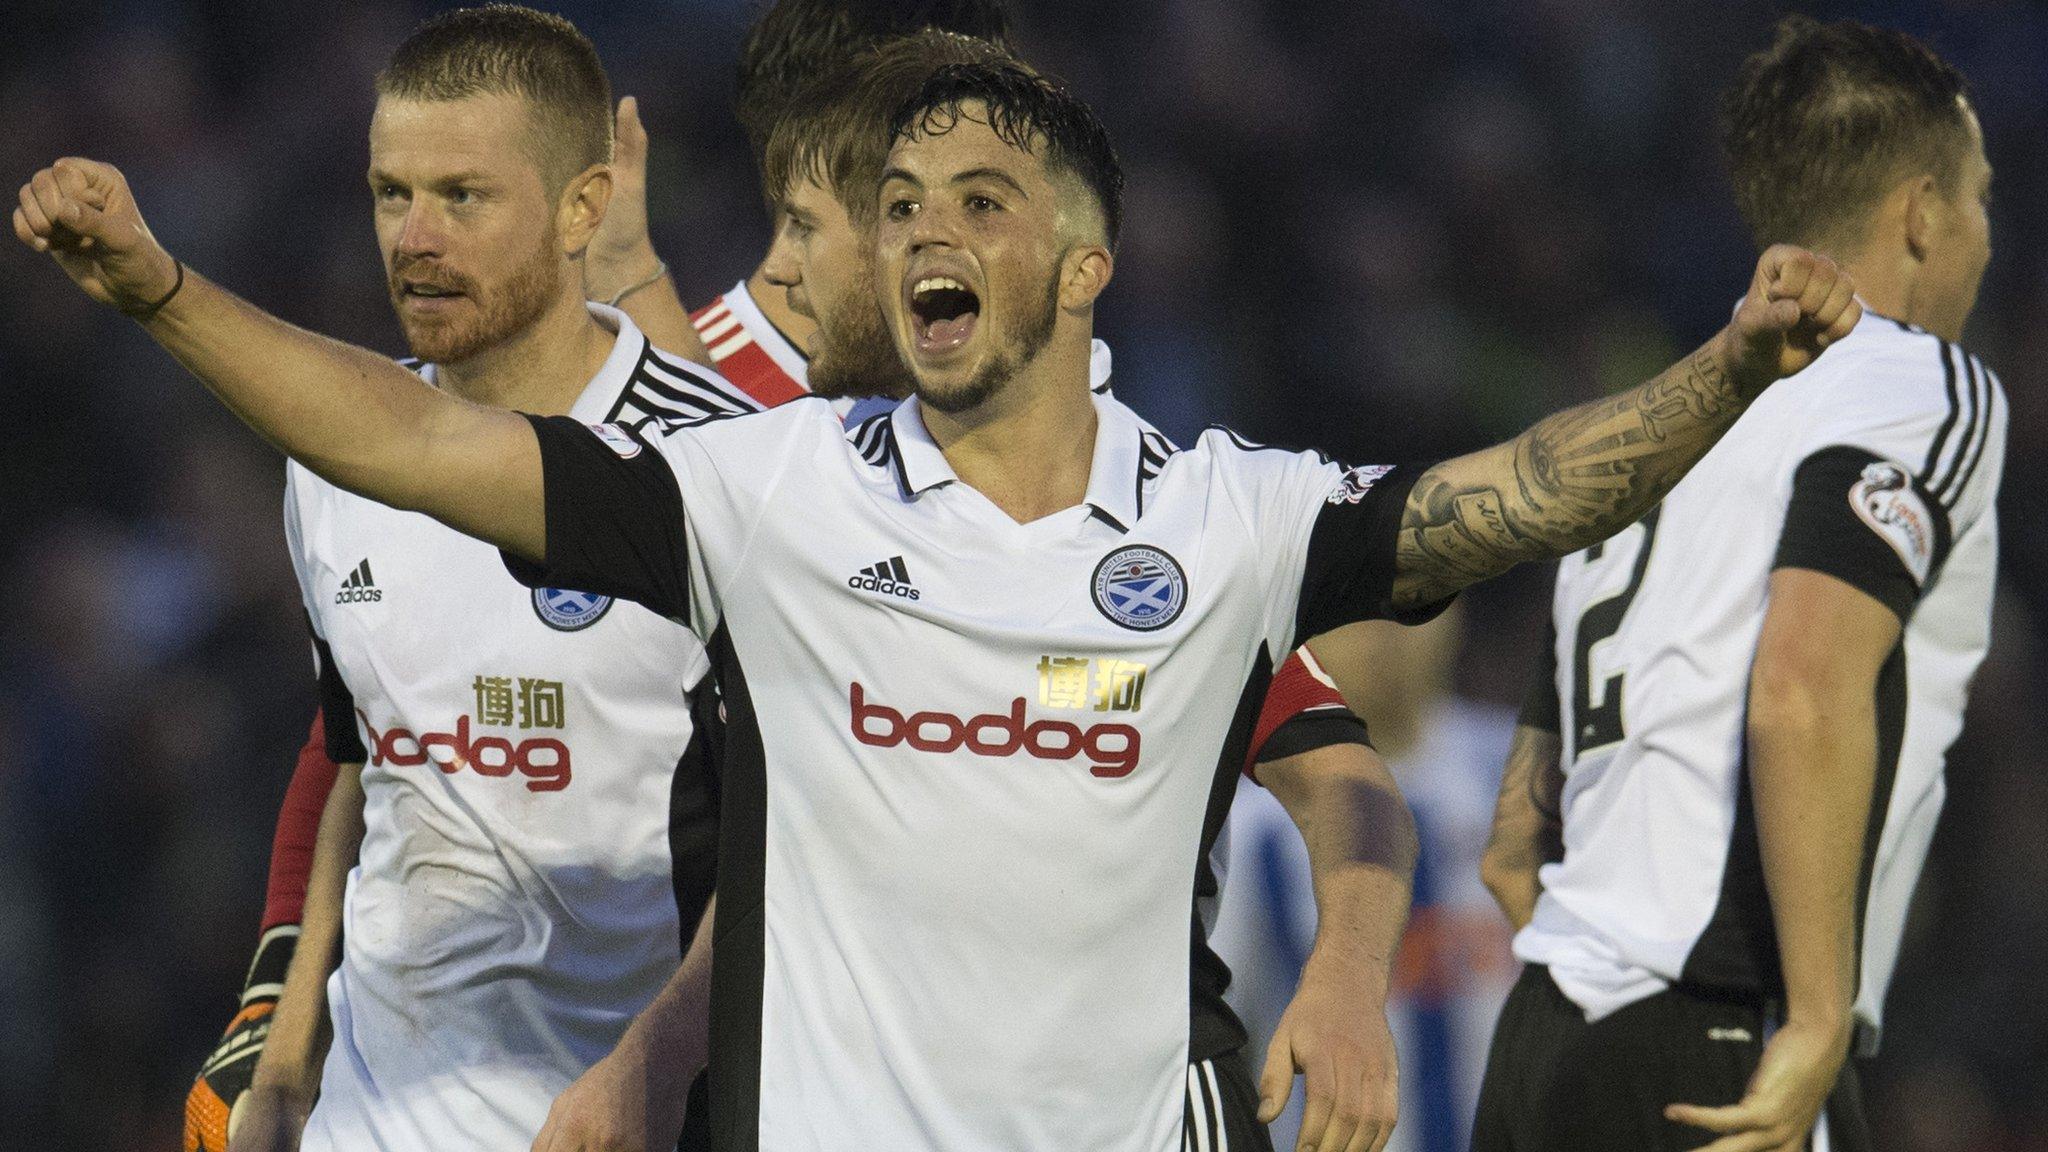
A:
{"x": 1600, "y": 724}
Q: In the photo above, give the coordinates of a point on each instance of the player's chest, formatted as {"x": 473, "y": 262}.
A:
{"x": 944, "y": 603}
{"x": 404, "y": 601}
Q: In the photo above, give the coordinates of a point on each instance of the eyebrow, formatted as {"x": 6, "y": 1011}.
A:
{"x": 380, "y": 176}
{"x": 995, "y": 175}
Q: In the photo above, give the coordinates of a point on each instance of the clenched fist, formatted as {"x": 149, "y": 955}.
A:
{"x": 81, "y": 212}
{"x": 1799, "y": 303}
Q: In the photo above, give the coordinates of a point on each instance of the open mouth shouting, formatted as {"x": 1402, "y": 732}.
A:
{"x": 944, "y": 312}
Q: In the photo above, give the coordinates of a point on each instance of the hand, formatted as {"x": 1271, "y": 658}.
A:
{"x": 624, "y": 1103}
{"x": 1784, "y": 1098}
{"x": 82, "y": 214}
{"x": 1336, "y": 1035}
{"x": 211, "y": 1108}
{"x": 1799, "y": 303}
{"x": 272, "y": 1118}
{"x": 622, "y": 252}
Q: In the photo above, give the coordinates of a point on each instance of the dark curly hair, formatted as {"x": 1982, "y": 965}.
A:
{"x": 1028, "y": 112}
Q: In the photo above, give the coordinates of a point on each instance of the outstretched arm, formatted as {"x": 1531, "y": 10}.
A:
{"x": 1584, "y": 474}
{"x": 347, "y": 413}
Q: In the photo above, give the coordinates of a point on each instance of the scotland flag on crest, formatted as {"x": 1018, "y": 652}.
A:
{"x": 1140, "y": 587}
{"x": 566, "y": 610}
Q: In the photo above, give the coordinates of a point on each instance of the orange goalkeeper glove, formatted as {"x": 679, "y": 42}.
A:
{"x": 210, "y": 1107}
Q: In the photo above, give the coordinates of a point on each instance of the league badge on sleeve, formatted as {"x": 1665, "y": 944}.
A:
{"x": 1356, "y": 482}
{"x": 1885, "y": 500}
{"x": 566, "y": 610}
{"x": 1140, "y": 587}
{"x": 617, "y": 439}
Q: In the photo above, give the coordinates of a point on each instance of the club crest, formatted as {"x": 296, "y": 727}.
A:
{"x": 1140, "y": 587}
{"x": 567, "y": 610}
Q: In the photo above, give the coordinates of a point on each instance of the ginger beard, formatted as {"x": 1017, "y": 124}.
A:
{"x": 484, "y": 316}
{"x": 854, "y": 354}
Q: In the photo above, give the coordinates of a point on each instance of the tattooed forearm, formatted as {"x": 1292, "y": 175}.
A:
{"x": 1571, "y": 481}
{"x": 1528, "y": 831}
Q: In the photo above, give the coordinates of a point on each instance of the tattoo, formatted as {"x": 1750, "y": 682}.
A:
{"x": 1571, "y": 481}
{"x": 1546, "y": 792}
{"x": 1529, "y": 833}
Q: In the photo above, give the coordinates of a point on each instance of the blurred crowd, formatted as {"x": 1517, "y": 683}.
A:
{"x": 1392, "y": 228}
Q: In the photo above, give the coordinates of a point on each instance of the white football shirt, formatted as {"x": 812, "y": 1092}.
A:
{"x": 1880, "y": 465}
{"x": 512, "y": 907}
{"x": 972, "y": 766}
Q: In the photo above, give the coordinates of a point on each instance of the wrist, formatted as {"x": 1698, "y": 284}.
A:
{"x": 163, "y": 288}
{"x": 1351, "y": 969}
{"x": 1830, "y": 1019}
{"x": 1726, "y": 365}
{"x": 608, "y": 278}
{"x": 288, "y": 1079}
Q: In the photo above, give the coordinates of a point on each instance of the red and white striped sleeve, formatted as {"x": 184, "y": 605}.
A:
{"x": 1303, "y": 712}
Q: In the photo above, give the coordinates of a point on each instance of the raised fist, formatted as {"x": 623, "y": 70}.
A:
{"x": 1799, "y": 303}
{"x": 81, "y": 212}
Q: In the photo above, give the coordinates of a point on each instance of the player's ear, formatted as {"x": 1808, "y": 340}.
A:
{"x": 579, "y": 212}
{"x": 1922, "y": 214}
{"x": 1084, "y": 272}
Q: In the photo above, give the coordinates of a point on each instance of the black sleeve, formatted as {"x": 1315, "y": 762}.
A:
{"x": 1349, "y": 575}
{"x": 614, "y": 518}
{"x": 1539, "y": 703}
{"x": 1867, "y": 522}
{"x": 1308, "y": 731}
{"x": 338, "y": 704}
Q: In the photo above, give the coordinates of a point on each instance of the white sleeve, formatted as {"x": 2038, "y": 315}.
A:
{"x": 294, "y": 537}
{"x": 1326, "y": 535}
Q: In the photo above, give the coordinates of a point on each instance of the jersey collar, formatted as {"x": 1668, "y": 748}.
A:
{"x": 601, "y": 395}
{"x": 1114, "y": 476}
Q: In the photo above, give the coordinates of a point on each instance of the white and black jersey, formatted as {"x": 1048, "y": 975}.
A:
{"x": 529, "y": 833}
{"x": 1879, "y": 465}
{"x": 965, "y": 805}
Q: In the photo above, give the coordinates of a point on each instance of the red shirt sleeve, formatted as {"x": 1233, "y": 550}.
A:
{"x": 1304, "y": 711}
{"x": 298, "y": 825}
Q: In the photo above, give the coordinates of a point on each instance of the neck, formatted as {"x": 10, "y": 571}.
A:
{"x": 773, "y": 301}
{"x": 1886, "y": 284}
{"x": 1029, "y": 447}
{"x": 541, "y": 370}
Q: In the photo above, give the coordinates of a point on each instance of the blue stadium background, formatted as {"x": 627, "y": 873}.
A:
{"x": 1390, "y": 227}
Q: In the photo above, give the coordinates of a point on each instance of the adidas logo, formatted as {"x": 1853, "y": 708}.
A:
{"x": 888, "y": 577}
{"x": 358, "y": 587}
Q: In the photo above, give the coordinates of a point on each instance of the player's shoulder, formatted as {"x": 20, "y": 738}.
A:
{"x": 1227, "y": 456}
{"x": 1221, "y": 446}
{"x": 1891, "y": 387}
{"x": 1888, "y": 366}
{"x": 665, "y": 392}
{"x": 757, "y": 431}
